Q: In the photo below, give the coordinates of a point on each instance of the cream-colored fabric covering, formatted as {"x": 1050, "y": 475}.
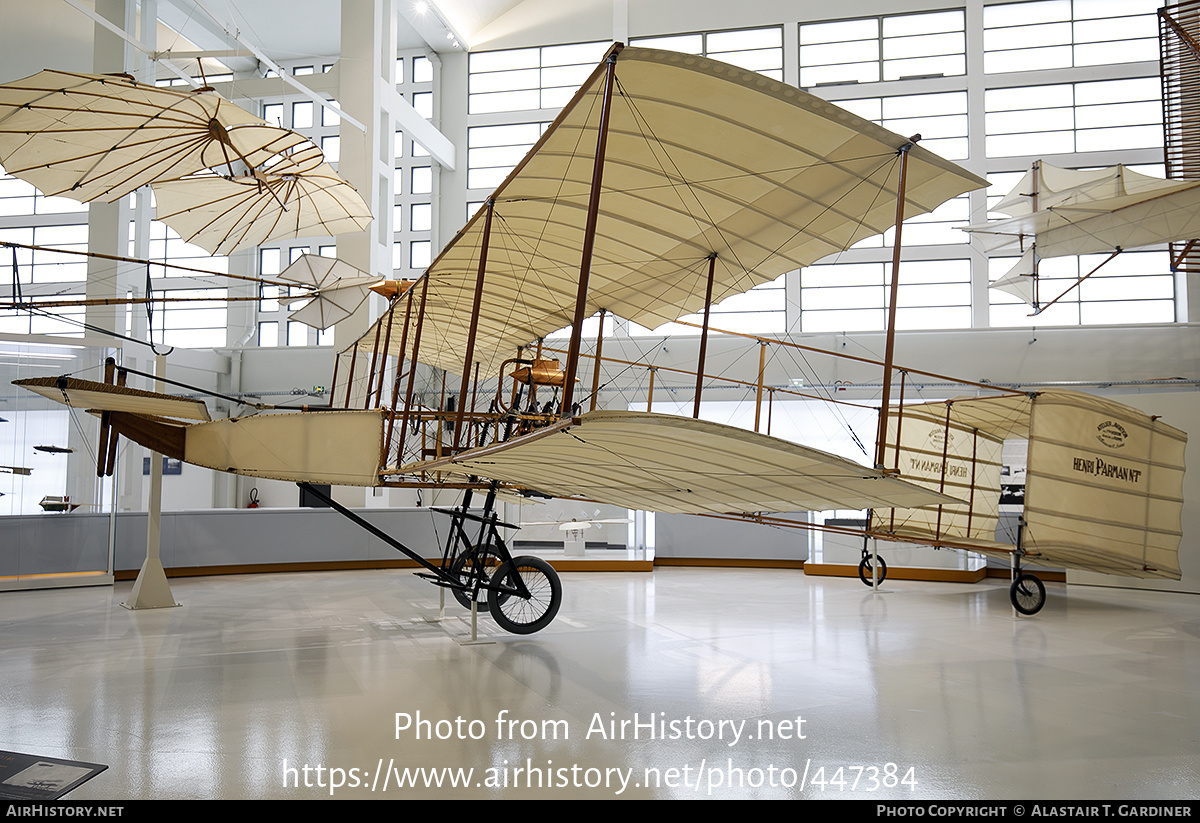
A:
{"x": 223, "y": 214}
{"x": 339, "y": 447}
{"x": 90, "y": 136}
{"x": 338, "y": 289}
{"x": 940, "y": 451}
{"x": 1103, "y": 488}
{"x": 702, "y": 157}
{"x": 679, "y": 465}
{"x": 88, "y": 394}
{"x": 1020, "y": 280}
{"x": 1083, "y": 212}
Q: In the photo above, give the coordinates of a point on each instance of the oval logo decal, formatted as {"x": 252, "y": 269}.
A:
{"x": 1112, "y": 434}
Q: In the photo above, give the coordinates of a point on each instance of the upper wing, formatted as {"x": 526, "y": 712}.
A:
{"x": 702, "y": 158}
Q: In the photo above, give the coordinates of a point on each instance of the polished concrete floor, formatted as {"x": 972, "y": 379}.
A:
{"x": 927, "y": 690}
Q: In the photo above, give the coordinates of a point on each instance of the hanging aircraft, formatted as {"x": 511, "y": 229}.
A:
{"x": 1054, "y": 212}
{"x": 666, "y": 184}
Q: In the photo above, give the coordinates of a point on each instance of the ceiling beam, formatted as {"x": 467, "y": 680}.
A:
{"x": 133, "y": 41}
{"x": 264, "y": 60}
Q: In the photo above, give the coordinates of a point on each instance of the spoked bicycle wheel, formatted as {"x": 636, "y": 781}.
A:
{"x": 1028, "y": 594}
{"x": 521, "y": 615}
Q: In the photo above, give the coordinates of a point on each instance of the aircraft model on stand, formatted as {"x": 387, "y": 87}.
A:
{"x": 666, "y": 184}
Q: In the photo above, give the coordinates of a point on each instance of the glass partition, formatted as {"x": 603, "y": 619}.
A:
{"x": 56, "y": 516}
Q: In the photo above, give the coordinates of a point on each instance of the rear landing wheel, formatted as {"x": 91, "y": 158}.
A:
{"x": 1028, "y": 594}
{"x": 865, "y": 571}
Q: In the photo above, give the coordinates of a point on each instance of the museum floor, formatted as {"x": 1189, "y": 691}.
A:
{"x": 935, "y": 690}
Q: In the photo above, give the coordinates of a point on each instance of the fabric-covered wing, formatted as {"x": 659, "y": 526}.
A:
{"x": 1054, "y": 186}
{"x": 1103, "y": 482}
{"x": 702, "y": 157}
{"x": 679, "y": 465}
{"x": 88, "y": 136}
{"x": 338, "y": 289}
{"x": 1104, "y": 487}
{"x": 945, "y": 447}
{"x": 224, "y": 214}
{"x": 1083, "y": 212}
{"x": 1101, "y": 226}
{"x": 88, "y": 394}
{"x": 1019, "y": 281}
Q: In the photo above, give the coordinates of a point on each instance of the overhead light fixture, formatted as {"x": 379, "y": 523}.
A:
{"x": 432, "y": 21}
{"x": 37, "y": 355}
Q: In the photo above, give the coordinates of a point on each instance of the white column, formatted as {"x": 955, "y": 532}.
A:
{"x": 108, "y": 223}
{"x": 151, "y": 589}
{"x": 367, "y": 90}
{"x": 108, "y": 232}
{"x": 367, "y": 79}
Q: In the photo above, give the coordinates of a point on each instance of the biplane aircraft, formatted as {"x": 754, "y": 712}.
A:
{"x": 666, "y": 184}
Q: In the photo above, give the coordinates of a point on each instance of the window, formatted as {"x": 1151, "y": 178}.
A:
{"x": 1118, "y": 118}
{"x": 1074, "y": 117}
{"x": 1051, "y": 34}
{"x": 422, "y": 217}
{"x": 896, "y": 47}
{"x": 1134, "y": 287}
{"x": 940, "y": 119}
{"x": 523, "y": 79}
{"x": 422, "y": 70}
{"x": 412, "y": 180}
{"x": 933, "y": 294}
{"x": 329, "y": 117}
{"x": 907, "y": 71}
{"x": 302, "y": 115}
{"x": 331, "y": 147}
{"x": 493, "y": 151}
{"x": 199, "y": 323}
{"x": 419, "y": 254}
{"x": 422, "y": 180}
{"x": 422, "y": 102}
{"x": 758, "y": 311}
{"x": 536, "y": 78}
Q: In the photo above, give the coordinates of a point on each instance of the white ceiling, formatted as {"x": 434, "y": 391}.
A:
{"x": 312, "y": 28}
